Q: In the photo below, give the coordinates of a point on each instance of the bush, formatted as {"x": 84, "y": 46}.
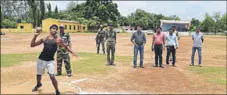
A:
{"x": 6, "y": 23}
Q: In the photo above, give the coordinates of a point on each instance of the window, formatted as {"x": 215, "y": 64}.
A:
{"x": 69, "y": 27}
{"x": 65, "y": 27}
{"x": 74, "y": 27}
{"x": 83, "y": 28}
{"x": 21, "y": 27}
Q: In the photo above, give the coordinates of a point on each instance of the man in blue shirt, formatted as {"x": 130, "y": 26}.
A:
{"x": 171, "y": 45}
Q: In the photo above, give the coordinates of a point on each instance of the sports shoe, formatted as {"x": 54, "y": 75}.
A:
{"x": 36, "y": 87}
{"x": 69, "y": 75}
{"x": 57, "y": 74}
{"x": 134, "y": 66}
{"x": 161, "y": 66}
{"x": 191, "y": 64}
{"x": 108, "y": 64}
{"x": 58, "y": 93}
{"x": 141, "y": 67}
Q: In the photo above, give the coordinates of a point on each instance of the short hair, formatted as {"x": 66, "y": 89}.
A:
{"x": 159, "y": 28}
{"x": 54, "y": 25}
{"x": 61, "y": 26}
{"x": 110, "y": 24}
{"x": 198, "y": 27}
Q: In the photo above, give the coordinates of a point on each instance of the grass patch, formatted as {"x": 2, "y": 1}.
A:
{"x": 124, "y": 58}
{"x": 94, "y": 63}
{"x": 17, "y": 59}
{"x": 216, "y": 75}
{"x": 89, "y": 63}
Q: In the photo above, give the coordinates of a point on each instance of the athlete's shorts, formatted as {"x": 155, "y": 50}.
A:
{"x": 41, "y": 65}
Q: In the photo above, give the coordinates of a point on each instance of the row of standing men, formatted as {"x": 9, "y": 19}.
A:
{"x": 160, "y": 40}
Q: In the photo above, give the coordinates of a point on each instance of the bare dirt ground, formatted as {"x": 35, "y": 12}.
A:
{"x": 123, "y": 79}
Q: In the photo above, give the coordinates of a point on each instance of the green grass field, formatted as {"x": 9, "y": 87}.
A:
{"x": 17, "y": 59}
{"x": 88, "y": 63}
{"x": 216, "y": 75}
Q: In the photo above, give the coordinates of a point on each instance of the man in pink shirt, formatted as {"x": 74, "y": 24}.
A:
{"x": 158, "y": 44}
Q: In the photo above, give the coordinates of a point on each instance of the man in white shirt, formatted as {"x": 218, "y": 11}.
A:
{"x": 197, "y": 45}
{"x": 171, "y": 45}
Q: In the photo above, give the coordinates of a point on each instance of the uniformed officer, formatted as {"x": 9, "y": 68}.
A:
{"x": 110, "y": 44}
{"x": 62, "y": 54}
{"x": 100, "y": 36}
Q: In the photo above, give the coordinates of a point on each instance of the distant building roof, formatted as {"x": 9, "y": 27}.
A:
{"x": 67, "y": 21}
{"x": 176, "y": 21}
{"x": 59, "y": 20}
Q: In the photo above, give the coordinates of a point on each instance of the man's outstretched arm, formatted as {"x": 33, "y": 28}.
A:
{"x": 61, "y": 43}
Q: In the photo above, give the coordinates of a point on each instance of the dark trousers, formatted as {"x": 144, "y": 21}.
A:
{"x": 110, "y": 49}
{"x": 98, "y": 42}
{"x": 158, "y": 54}
{"x": 171, "y": 50}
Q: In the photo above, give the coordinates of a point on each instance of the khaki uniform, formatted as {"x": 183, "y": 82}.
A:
{"x": 110, "y": 44}
{"x": 63, "y": 55}
{"x": 100, "y": 39}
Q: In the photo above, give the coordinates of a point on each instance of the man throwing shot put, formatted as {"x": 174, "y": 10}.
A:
{"x": 46, "y": 57}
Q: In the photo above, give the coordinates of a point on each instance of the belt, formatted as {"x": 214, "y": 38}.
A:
{"x": 170, "y": 46}
{"x": 158, "y": 45}
{"x": 139, "y": 44}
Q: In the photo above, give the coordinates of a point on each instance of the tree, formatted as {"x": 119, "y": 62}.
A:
{"x": 7, "y": 23}
{"x": 56, "y": 12}
{"x": 42, "y": 10}
{"x": 103, "y": 13}
{"x": 173, "y": 17}
{"x": 49, "y": 14}
{"x": 1, "y": 15}
{"x": 38, "y": 19}
{"x": 208, "y": 24}
{"x": 217, "y": 18}
{"x": 79, "y": 10}
{"x": 223, "y": 23}
{"x": 194, "y": 24}
{"x": 91, "y": 8}
{"x": 33, "y": 7}
{"x": 70, "y": 6}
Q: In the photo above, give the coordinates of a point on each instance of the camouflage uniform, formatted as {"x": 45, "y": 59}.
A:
{"x": 63, "y": 55}
{"x": 100, "y": 40}
{"x": 110, "y": 45}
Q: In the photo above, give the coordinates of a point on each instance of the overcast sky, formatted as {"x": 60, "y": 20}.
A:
{"x": 184, "y": 9}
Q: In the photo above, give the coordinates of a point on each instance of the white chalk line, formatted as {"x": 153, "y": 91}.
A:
{"x": 72, "y": 83}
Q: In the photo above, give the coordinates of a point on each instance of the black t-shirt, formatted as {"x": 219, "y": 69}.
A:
{"x": 50, "y": 47}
